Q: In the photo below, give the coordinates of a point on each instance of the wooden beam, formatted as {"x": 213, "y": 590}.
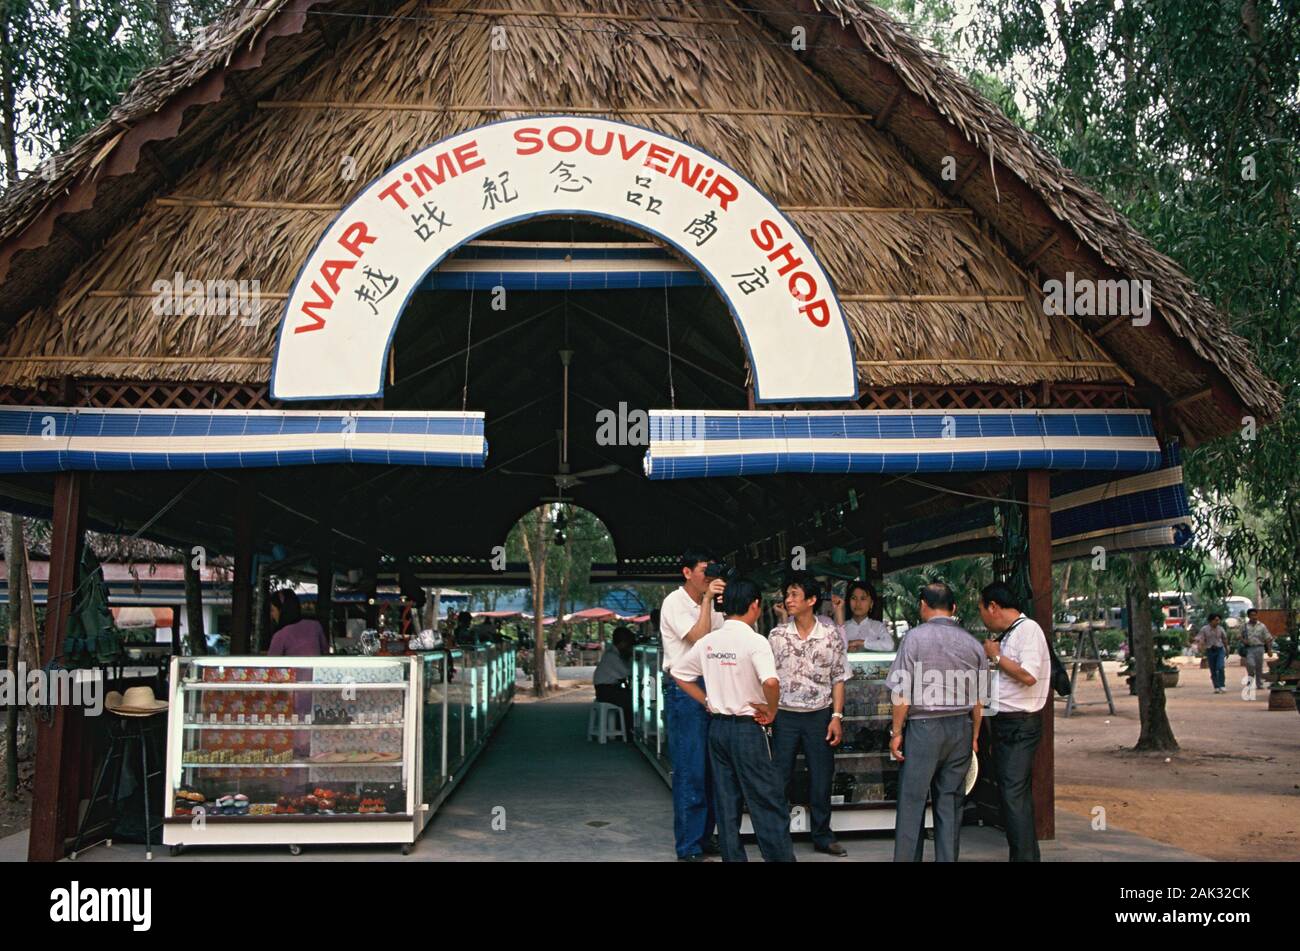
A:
{"x": 57, "y": 745}
{"x": 1039, "y": 519}
{"x": 564, "y": 15}
{"x": 1191, "y": 398}
{"x": 552, "y": 108}
{"x": 886, "y": 112}
{"x": 1111, "y": 325}
{"x": 1042, "y": 247}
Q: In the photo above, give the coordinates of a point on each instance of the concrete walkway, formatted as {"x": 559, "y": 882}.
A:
{"x": 562, "y": 798}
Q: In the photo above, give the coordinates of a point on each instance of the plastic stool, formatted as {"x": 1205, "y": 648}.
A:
{"x": 598, "y": 722}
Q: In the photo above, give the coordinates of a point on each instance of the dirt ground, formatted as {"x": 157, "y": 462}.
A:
{"x": 1232, "y": 791}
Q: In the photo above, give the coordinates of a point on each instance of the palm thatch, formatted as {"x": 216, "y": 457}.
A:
{"x": 73, "y": 306}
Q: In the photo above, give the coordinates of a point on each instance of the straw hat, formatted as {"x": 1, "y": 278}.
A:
{"x": 136, "y": 702}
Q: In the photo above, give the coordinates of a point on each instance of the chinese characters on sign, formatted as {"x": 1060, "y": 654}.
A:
{"x": 378, "y": 280}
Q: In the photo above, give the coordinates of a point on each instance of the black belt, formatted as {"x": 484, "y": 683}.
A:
{"x": 1015, "y": 715}
{"x": 733, "y": 716}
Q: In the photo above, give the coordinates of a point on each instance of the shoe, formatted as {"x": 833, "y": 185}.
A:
{"x": 693, "y": 857}
{"x": 834, "y": 848}
{"x": 710, "y": 845}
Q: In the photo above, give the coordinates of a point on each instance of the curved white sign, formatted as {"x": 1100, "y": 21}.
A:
{"x": 347, "y": 299}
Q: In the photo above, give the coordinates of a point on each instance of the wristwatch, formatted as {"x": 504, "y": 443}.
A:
{"x": 838, "y": 716}
{"x": 997, "y": 661}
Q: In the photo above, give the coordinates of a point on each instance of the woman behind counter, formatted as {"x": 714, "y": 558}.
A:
{"x": 295, "y": 636}
{"x": 862, "y": 632}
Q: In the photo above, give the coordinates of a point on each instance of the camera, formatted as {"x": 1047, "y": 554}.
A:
{"x": 716, "y": 569}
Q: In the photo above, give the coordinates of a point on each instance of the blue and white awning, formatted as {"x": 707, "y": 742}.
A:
{"x": 555, "y": 266}
{"x": 1134, "y": 513}
{"x": 701, "y": 444}
{"x": 1142, "y": 511}
{"x": 60, "y": 439}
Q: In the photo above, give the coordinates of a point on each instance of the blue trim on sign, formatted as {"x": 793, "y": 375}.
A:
{"x": 589, "y": 213}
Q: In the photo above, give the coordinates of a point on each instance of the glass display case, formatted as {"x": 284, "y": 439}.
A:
{"x": 648, "y": 729}
{"x": 335, "y": 749}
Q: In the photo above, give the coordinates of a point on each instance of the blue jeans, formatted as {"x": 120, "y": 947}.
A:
{"x": 745, "y": 773}
{"x": 688, "y": 747}
{"x": 1216, "y": 656}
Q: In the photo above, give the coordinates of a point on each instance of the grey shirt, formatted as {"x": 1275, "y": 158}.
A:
{"x": 939, "y": 669}
{"x": 1211, "y": 636}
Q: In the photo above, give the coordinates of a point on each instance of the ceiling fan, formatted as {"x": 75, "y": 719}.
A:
{"x": 564, "y": 479}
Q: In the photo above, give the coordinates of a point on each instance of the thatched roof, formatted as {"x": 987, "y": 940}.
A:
{"x": 74, "y": 247}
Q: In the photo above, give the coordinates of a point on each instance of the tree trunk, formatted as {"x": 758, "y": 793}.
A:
{"x": 8, "y": 112}
{"x": 1156, "y": 734}
{"x": 166, "y": 35}
{"x": 535, "y": 551}
{"x": 198, "y": 643}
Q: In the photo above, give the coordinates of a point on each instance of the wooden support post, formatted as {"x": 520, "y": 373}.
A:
{"x": 241, "y": 599}
{"x": 54, "y": 812}
{"x": 195, "y": 634}
{"x": 1039, "y": 522}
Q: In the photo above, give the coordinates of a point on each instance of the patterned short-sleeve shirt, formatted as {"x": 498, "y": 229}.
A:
{"x": 808, "y": 668}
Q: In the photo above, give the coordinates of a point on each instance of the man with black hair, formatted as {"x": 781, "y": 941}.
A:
{"x": 1023, "y": 664}
{"x": 810, "y": 660}
{"x": 685, "y": 616}
{"x": 1213, "y": 639}
{"x": 1258, "y": 640}
{"x": 739, "y": 673}
{"x": 935, "y": 681}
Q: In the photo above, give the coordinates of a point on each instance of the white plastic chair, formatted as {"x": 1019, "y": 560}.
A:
{"x": 598, "y": 725}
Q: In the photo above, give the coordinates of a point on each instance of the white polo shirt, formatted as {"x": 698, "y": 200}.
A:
{"x": 873, "y": 634}
{"x": 1027, "y": 646}
{"x": 734, "y": 661}
{"x": 677, "y": 615}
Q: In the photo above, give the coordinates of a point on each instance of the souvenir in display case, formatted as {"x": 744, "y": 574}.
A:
{"x": 335, "y": 749}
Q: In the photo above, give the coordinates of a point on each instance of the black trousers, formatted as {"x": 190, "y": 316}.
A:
{"x": 620, "y": 695}
{"x": 1014, "y": 741}
{"x": 745, "y": 774}
{"x": 792, "y": 731}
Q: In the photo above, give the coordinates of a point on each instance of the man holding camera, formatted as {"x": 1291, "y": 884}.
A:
{"x": 737, "y": 664}
{"x": 687, "y": 615}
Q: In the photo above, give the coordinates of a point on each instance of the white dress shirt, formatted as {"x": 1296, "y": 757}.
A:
{"x": 1027, "y": 646}
{"x": 677, "y": 615}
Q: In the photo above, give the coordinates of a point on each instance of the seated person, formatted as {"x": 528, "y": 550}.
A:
{"x": 614, "y": 674}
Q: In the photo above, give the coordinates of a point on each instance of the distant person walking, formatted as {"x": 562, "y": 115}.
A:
{"x": 1258, "y": 640}
{"x": 1213, "y": 639}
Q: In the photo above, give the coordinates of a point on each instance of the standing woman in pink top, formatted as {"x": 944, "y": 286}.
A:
{"x": 295, "y": 636}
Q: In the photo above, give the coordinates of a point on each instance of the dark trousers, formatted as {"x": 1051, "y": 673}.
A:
{"x": 620, "y": 695}
{"x": 1014, "y": 741}
{"x": 790, "y": 732}
{"x": 688, "y": 747}
{"x": 1216, "y": 656}
{"x": 745, "y": 773}
{"x": 936, "y": 756}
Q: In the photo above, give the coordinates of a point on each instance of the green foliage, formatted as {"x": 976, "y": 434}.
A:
{"x": 70, "y": 63}
{"x": 1186, "y": 116}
